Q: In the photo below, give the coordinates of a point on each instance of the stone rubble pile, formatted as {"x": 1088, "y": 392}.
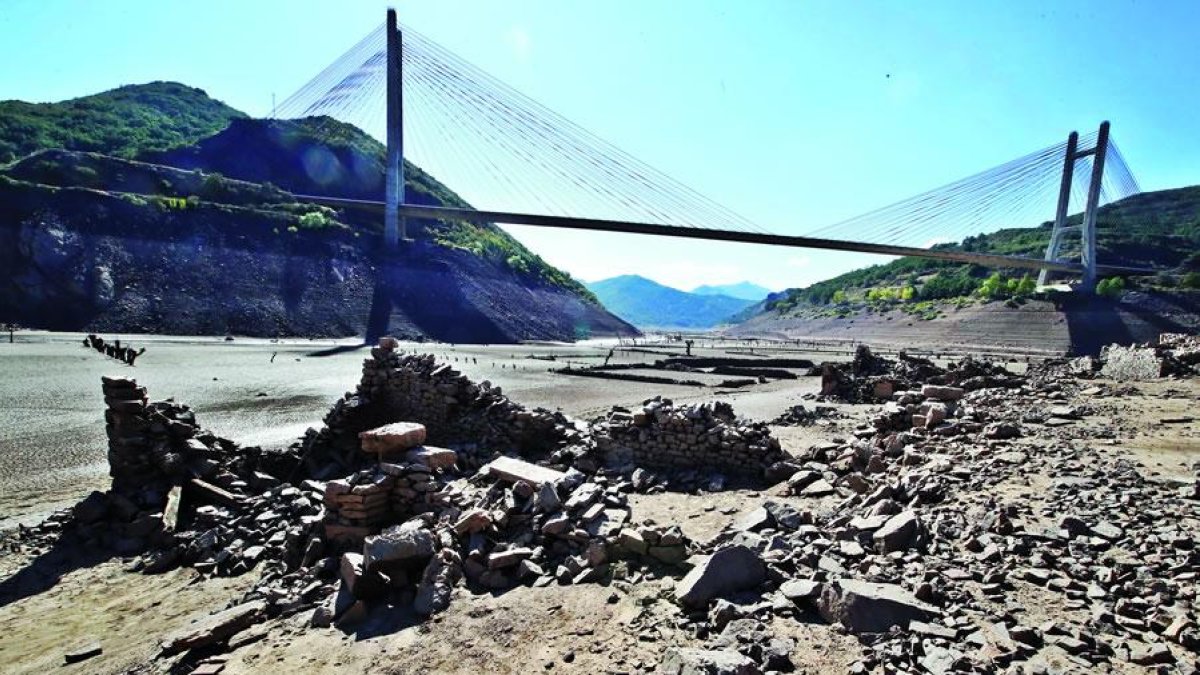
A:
{"x": 903, "y": 537}
{"x": 870, "y": 378}
{"x": 663, "y": 435}
{"x": 800, "y": 416}
{"x": 474, "y": 419}
{"x": 519, "y": 523}
{"x": 356, "y": 506}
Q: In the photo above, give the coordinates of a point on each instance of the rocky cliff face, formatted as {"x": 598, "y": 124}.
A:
{"x": 77, "y": 259}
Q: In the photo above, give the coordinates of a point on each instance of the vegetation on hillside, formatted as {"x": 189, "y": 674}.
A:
{"x": 227, "y": 158}
{"x": 123, "y": 122}
{"x": 1153, "y": 230}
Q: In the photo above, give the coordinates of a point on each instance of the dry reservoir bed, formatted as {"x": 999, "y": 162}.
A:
{"x": 1036, "y": 524}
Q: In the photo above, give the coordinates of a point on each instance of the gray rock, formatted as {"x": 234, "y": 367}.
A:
{"x": 680, "y": 661}
{"x": 798, "y": 590}
{"x": 730, "y": 569}
{"x": 408, "y": 541}
{"x": 866, "y": 607}
{"x": 901, "y": 532}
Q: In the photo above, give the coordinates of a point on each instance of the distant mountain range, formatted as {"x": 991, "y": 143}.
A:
{"x": 649, "y": 304}
{"x": 743, "y": 290}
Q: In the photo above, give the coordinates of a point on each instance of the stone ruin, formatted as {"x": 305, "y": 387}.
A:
{"x": 665, "y": 436}
{"x": 870, "y": 378}
{"x": 366, "y": 510}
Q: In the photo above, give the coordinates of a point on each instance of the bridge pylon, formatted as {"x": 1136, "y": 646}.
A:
{"x": 1087, "y": 235}
{"x": 394, "y": 225}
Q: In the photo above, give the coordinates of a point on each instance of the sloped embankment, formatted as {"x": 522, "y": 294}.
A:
{"x": 1076, "y": 325}
{"x": 81, "y": 259}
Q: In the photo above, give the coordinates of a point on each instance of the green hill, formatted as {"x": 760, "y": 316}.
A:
{"x": 1153, "y": 229}
{"x": 147, "y": 192}
{"x": 123, "y": 122}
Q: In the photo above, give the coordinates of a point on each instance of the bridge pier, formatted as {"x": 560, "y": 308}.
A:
{"x": 1087, "y": 235}
{"x": 1064, "y": 201}
{"x": 394, "y": 225}
{"x": 1088, "y": 249}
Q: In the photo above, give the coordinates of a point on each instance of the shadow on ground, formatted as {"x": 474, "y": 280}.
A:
{"x": 66, "y": 555}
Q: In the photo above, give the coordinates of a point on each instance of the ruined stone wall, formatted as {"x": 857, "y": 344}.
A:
{"x": 474, "y": 418}
{"x": 359, "y": 504}
{"x": 706, "y": 436}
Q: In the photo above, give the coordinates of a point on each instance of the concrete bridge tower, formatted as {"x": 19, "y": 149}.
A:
{"x": 393, "y": 223}
{"x": 1087, "y": 235}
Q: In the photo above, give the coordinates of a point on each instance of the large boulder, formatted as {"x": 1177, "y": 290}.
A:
{"x": 901, "y": 532}
{"x": 680, "y": 661}
{"x": 867, "y": 607}
{"x": 731, "y": 569}
{"x": 390, "y": 438}
{"x": 411, "y": 541}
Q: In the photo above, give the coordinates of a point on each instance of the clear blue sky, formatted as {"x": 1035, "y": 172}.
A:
{"x": 795, "y": 114}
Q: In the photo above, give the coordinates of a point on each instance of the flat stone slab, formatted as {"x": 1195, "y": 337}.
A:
{"x": 867, "y": 607}
{"x": 395, "y": 437}
{"x": 513, "y": 470}
{"x": 214, "y": 628}
{"x": 434, "y": 458}
{"x": 731, "y": 569}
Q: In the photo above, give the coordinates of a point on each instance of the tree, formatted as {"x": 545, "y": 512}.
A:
{"x": 908, "y": 293}
{"x": 839, "y": 296}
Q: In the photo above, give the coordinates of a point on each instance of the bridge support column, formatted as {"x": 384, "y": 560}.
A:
{"x": 1088, "y": 250}
{"x": 1064, "y": 202}
{"x": 394, "y": 226}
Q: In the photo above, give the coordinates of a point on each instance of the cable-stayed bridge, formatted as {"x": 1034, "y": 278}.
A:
{"x": 520, "y": 163}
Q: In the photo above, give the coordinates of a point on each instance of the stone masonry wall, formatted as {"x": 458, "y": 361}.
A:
{"x": 662, "y": 435}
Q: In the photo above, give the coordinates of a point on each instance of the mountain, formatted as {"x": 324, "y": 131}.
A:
{"x": 216, "y": 244}
{"x": 742, "y": 290}
{"x": 648, "y": 304}
{"x": 122, "y": 122}
{"x": 918, "y": 301}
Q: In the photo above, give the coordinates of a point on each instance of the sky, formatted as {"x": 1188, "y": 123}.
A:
{"x": 794, "y": 114}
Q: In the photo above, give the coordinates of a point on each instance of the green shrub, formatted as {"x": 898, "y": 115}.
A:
{"x": 1111, "y": 288}
{"x": 314, "y": 221}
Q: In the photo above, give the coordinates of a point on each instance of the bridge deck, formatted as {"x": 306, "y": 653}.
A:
{"x": 569, "y": 223}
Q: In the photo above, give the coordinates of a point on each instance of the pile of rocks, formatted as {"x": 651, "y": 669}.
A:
{"x": 520, "y": 523}
{"x": 800, "y": 416}
{"x": 358, "y": 505}
{"x": 1175, "y": 354}
{"x": 708, "y": 435}
{"x": 474, "y": 419}
{"x": 870, "y": 378}
{"x": 907, "y": 544}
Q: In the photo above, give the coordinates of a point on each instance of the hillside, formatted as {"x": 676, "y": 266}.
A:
{"x": 743, "y": 290}
{"x": 1153, "y": 229}
{"x": 648, "y": 304}
{"x": 123, "y": 122}
{"x": 99, "y": 242}
{"x": 916, "y": 301}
